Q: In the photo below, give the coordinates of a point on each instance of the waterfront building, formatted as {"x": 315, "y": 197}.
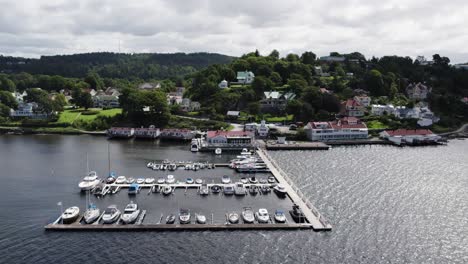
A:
{"x": 148, "y": 132}
{"x": 28, "y": 110}
{"x": 220, "y": 137}
{"x": 177, "y": 134}
{"x": 347, "y": 128}
{"x": 406, "y": 136}
{"x": 120, "y": 132}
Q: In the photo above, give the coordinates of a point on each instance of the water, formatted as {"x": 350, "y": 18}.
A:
{"x": 386, "y": 204}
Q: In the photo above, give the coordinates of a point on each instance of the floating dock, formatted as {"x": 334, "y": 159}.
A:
{"x": 297, "y": 146}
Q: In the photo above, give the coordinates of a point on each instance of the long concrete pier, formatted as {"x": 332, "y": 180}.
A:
{"x": 317, "y": 221}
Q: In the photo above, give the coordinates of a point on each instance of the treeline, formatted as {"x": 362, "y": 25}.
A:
{"x": 114, "y": 65}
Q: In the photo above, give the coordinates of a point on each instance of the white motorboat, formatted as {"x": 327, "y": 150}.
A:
{"x": 248, "y": 215}
{"x": 194, "y": 147}
{"x": 121, "y": 180}
{"x": 149, "y": 180}
{"x": 111, "y": 214}
{"x": 150, "y": 165}
{"x": 280, "y": 217}
{"x": 229, "y": 189}
{"x": 166, "y": 190}
{"x": 189, "y": 180}
{"x": 170, "y": 179}
{"x": 70, "y": 215}
{"x": 89, "y": 182}
{"x": 140, "y": 180}
{"x": 225, "y": 179}
{"x": 130, "y": 213}
{"x": 239, "y": 189}
{"x": 280, "y": 190}
{"x": 201, "y": 219}
{"x": 262, "y": 215}
{"x": 161, "y": 180}
{"x": 184, "y": 216}
{"x": 233, "y": 218}
{"x": 198, "y": 181}
{"x": 253, "y": 179}
{"x": 130, "y": 180}
{"x": 156, "y": 166}
{"x": 204, "y": 190}
{"x": 91, "y": 214}
{"x": 218, "y": 151}
{"x": 244, "y": 180}
{"x": 245, "y": 152}
{"x": 271, "y": 179}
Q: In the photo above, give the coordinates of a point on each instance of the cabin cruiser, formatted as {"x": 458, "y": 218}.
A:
{"x": 218, "y": 151}
{"x": 121, "y": 180}
{"x": 130, "y": 180}
{"x": 170, "y": 219}
{"x": 265, "y": 189}
{"x": 149, "y": 180}
{"x": 280, "y": 217}
{"x": 252, "y": 168}
{"x": 184, "y": 216}
{"x": 70, "y": 215}
{"x": 130, "y": 213}
{"x": 239, "y": 189}
{"x": 216, "y": 188}
{"x": 262, "y": 215}
{"x": 150, "y": 164}
{"x": 167, "y": 190}
{"x": 253, "y": 190}
{"x": 243, "y": 161}
{"x": 233, "y": 218}
{"x": 133, "y": 189}
{"x": 189, "y": 180}
{"x": 89, "y": 182}
{"x": 228, "y": 189}
{"x": 297, "y": 214}
{"x": 201, "y": 219}
{"x": 198, "y": 181}
{"x": 161, "y": 180}
{"x": 204, "y": 190}
{"x": 111, "y": 214}
{"x": 244, "y": 180}
{"x": 271, "y": 179}
{"x": 280, "y": 190}
{"x": 140, "y": 180}
{"x": 248, "y": 215}
{"x": 91, "y": 214}
{"x": 194, "y": 147}
{"x": 225, "y": 179}
{"x": 253, "y": 180}
{"x": 170, "y": 179}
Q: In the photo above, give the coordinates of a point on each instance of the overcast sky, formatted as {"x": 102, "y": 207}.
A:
{"x": 393, "y": 27}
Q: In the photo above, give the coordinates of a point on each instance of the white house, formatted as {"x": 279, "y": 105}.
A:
{"x": 149, "y": 86}
{"x": 402, "y": 136}
{"x": 379, "y": 110}
{"x": 273, "y": 100}
{"x": 245, "y": 77}
{"x": 106, "y": 101}
{"x": 348, "y": 128}
{"x": 223, "y": 84}
{"x": 27, "y": 110}
{"x": 364, "y": 100}
{"x": 262, "y": 130}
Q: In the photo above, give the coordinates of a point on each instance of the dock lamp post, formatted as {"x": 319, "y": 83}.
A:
{"x": 61, "y": 211}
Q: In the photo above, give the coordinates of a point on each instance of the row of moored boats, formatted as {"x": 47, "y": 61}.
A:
{"x": 110, "y": 215}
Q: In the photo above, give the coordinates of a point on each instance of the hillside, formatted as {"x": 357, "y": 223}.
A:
{"x": 115, "y": 65}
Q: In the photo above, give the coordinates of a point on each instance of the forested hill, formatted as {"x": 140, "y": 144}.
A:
{"x": 115, "y": 65}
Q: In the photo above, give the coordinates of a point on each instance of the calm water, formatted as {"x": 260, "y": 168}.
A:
{"x": 386, "y": 204}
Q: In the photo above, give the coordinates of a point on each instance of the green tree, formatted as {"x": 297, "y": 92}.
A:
{"x": 375, "y": 84}
{"x": 276, "y": 78}
{"x": 291, "y": 57}
{"x": 260, "y": 85}
{"x": 4, "y": 110}
{"x": 8, "y": 99}
{"x": 254, "y": 108}
{"x": 308, "y": 57}
{"x": 40, "y": 97}
{"x": 94, "y": 80}
{"x": 59, "y": 102}
{"x": 6, "y": 84}
{"x": 274, "y": 54}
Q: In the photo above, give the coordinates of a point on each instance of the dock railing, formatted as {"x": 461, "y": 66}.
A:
{"x": 314, "y": 210}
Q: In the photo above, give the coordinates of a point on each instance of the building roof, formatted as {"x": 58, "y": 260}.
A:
{"x": 244, "y": 74}
{"x": 233, "y": 113}
{"x": 278, "y": 95}
{"x": 352, "y": 103}
{"x": 409, "y": 132}
{"x": 346, "y": 122}
{"x": 211, "y": 134}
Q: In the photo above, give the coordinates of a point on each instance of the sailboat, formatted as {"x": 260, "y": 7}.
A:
{"x": 92, "y": 212}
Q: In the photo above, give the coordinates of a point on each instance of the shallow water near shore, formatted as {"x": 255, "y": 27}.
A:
{"x": 386, "y": 205}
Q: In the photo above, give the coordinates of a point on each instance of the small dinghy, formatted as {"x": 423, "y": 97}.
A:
{"x": 271, "y": 179}
{"x": 184, "y": 216}
{"x": 198, "y": 181}
{"x": 140, "y": 180}
{"x": 225, "y": 179}
{"x": 244, "y": 180}
{"x": 121, "y": 180}
{"x": 262, "y": 215}
{"x": 167, "y": 190}
{"x": 189, "y": 180}
{"x": 201, "y": 219}
{"x": 280, "y": 190}
{"x": 170, "y": 219}
{"x": 216, "y": 189}
{"x": 161, "y": 180}
{"x": 111, "y": 214}
{"x": 253, "y": 179}
{"x": 170, "y": 179}
{"x": 233, "y": 218}
{"x": 218, "y": 151}
{"x": 204, "y": 190}
{"x": 70, "y": 215}
{"x": 280, "y": 217}
{"x": 149, "y": 180}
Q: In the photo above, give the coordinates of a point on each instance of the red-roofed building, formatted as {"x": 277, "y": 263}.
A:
{"x": 347, "y": 128}
{"x": 352, "y": 107}
{"x": 410, "y": 136}
{"x": 230, "y": 137}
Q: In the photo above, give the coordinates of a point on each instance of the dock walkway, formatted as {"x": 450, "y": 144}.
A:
{"x": 318, "y": 222}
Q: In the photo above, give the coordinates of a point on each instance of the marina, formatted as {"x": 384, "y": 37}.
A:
{"x": 269, "y": 193}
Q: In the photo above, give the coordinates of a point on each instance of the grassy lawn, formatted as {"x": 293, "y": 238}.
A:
{"x": 71, "y": 115}
{"x": 279, "y": 118}
{"x": 375, "y": 124}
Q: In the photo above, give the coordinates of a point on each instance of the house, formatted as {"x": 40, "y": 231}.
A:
{"x": 120, "y": 132}
{"x": 245, "y": 77}
{"x": 332, "y": 58}
{"x": 112, "y": 91}
{"x": 274, "y": 101}
{"x": 325, "y": 91}
{"x": 347, "y": 128}
{"x": 426, "y": 117}
{"x": 380, "y": 110}
{"x": 223, "y": 84}
{"x": 352, "y": 107}
{"x": 238, "y": 138}
{"x": 405, "y": 136}
{"x": 28, "y": 110}
{"x": 232, "y": 114}
{"x": 262, "y": 130}
{"x": 318, "y": 70}
{"x": 188, "y": 106}
{"x": 252, "y": 127}
{"x": 149, "y": 86}
{"x": 364, "y": 100}
{"x": 417, "y": 91}
{"x": 179, "y": 91}
{"x": 174, "y": 99}
{"x": 194, "y": 106}
{"x": 147, "y": 132}
{"x": 19, "y": 96}
{"x": 106, "y": 101}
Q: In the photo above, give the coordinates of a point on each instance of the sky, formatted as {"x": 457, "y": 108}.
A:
{"x": 32, "y": 28}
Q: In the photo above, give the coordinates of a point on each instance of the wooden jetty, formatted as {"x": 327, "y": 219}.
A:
{"x": 317, "y": 221}
{"x": 297, "y": 146}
